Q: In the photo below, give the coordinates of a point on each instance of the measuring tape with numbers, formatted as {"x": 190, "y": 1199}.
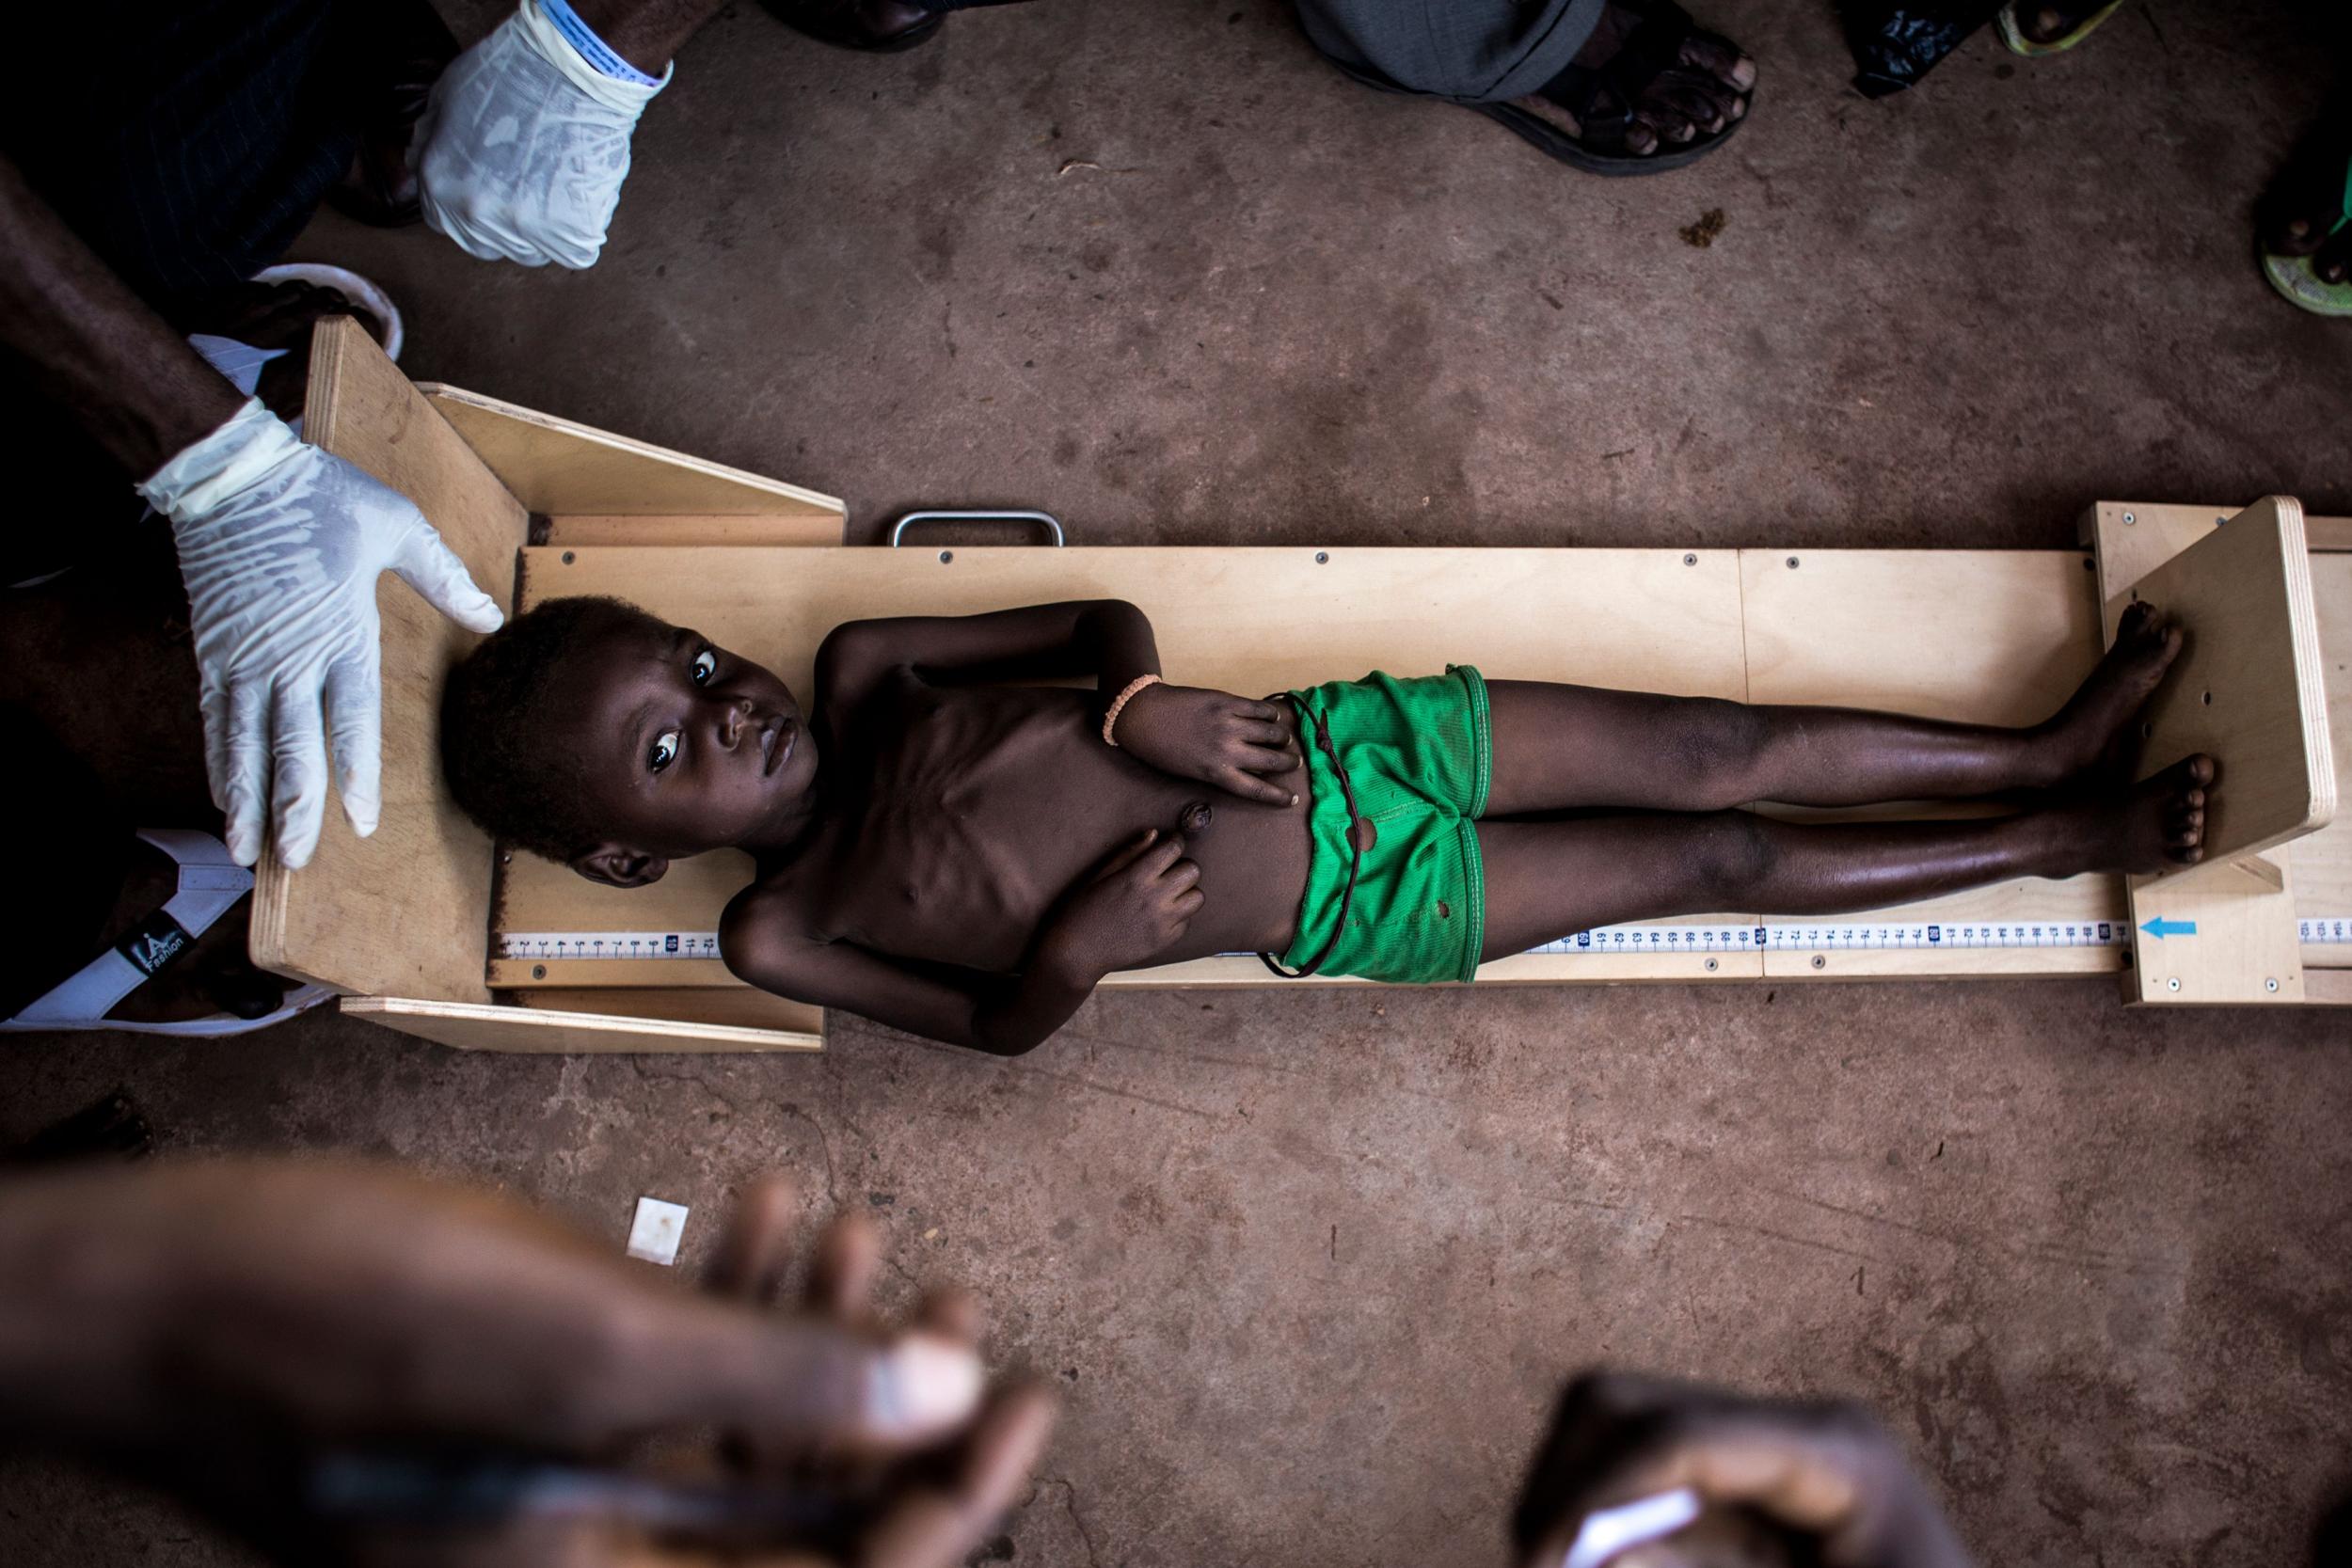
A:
{"x": 540, "y": 946}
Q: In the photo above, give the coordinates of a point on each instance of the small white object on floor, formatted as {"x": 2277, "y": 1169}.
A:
{"x": 654, "y": 1233}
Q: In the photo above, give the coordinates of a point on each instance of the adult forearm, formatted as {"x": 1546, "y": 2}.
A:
{"x": 78, "y": 1300}
{"x": 93, "y": 346}
{"x": 646, "y": 33}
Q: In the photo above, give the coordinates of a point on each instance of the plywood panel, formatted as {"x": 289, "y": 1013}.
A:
{"x": 2135, "y": 537}
{"x": 555, "y": 466}
{"x": 402, "y": 911}
{"x": 734, "y": 1005}
{"x": 2323, "y": 862}
{"x": 1989, "y": 636}
{"x": 1247, "y": 620}
{"x": 704, "y": 527}
{"x": 483, "y": 1027}
{"x": 2248, "y": 687}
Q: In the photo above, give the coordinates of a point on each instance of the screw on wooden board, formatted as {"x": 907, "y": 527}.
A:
{"x": 538, "y": 972}
{"x": 1793, "y": 562}
{"x": 569, "y": 558}
{"x": 1820, "y": 962}
{"x": 1323, "y": 558}
{"x": 2271, "y": 983}
{"x": 1710, "y": 966}
{"x": 945, "y": 556}
{"x": 1689, "y": 560}
{"x": 2129, "y": 520}
{"x": 2173, "y": 984}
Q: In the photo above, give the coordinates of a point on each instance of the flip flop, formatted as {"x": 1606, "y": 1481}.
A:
{"x": 2298, "y": 281}
{"x": 211, "y": 883}
{"x": 2019, "y": 43}
{"x": 1603, "y": 98}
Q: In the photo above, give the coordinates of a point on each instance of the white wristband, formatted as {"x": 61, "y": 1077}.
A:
{"x": 549, "y": 43}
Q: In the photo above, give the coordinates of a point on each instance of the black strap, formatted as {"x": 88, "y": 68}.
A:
{"x": 1355, "y": 848}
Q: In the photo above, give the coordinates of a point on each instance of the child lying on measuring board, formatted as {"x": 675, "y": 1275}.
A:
{"x": 952, "y": 852}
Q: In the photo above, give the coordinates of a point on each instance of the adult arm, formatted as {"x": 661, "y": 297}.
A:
{"x": 239, "y": 1331}
{"x": 279, "y": 544}
{"x": 93, "y": 347}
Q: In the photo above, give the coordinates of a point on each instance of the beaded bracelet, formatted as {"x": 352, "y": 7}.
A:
{"x": 1119, "y": 702}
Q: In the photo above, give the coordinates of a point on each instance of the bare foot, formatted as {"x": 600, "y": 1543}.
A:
{"x": 1704, "y": 89}
{"x": 2303, "y": 212}
{"x": 2054, "y": 19}
{"x": 2158, "y": 826}
{"x": 2094, "y": 731}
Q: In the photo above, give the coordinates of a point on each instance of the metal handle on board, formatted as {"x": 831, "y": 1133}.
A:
{"x": 984, "y": 515}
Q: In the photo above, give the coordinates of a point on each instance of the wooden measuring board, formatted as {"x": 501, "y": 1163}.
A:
{"x": 1996, "y": 636}
{"x": 2251, "y": 686}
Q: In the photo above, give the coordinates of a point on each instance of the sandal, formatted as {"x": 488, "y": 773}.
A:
{"x": 1603, "y": 100}
{"x": 2297, "y": 277}
{"x": 211, "y": 883}
{"x": 2015, "y": 35}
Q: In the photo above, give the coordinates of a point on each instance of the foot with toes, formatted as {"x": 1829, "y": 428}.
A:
{"x": 2098, "y": 729}
{"x": 2158, "y": 825}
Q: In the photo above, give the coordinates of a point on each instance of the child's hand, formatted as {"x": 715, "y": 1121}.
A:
{"x": 1215, "y": 736}
{"x": 1135, "y": 909}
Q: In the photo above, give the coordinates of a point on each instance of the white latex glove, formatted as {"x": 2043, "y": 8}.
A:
{"x": 281, "y": 546}
{"x": 523, "y": 146}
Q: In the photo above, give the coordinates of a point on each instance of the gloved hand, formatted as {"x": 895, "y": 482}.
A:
{"x": 280, "y": 545}
{"x": 524, "y": 144}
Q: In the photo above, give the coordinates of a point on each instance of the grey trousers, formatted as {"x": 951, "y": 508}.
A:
{"x": 1468, "y": 51}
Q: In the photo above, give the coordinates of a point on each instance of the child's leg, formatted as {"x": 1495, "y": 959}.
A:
{"x": 1558, "y": 748}
{"x": 1545, "y": 879}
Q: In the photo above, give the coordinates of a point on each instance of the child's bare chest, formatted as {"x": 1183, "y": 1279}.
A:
{"x": 978, "y": 811}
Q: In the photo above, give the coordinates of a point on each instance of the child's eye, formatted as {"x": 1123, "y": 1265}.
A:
{"x": 664, "y": 751}
{"x": 706, "y": 665}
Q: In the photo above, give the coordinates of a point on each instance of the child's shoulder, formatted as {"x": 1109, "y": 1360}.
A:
{"x": 854, "y": 656}
{"x": 773, "y": 912}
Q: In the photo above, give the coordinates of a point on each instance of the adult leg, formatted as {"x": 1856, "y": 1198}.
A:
{"x": 1585, "y": 80}
{"x": 1566, "y": 747}
{"x": 1545, "y": 879}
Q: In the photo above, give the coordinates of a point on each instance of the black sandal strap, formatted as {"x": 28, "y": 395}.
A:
{"x": 1602, "y": 97}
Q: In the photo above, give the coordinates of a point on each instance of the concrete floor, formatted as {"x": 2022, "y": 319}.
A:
{"x": 1309, "y": 1264}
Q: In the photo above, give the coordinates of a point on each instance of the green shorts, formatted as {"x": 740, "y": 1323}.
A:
{"x": 1416, "y": 755}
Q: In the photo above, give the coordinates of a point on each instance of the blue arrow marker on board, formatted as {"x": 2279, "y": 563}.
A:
{"x": 2161, "y": 927}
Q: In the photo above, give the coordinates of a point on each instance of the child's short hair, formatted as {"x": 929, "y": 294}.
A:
{"x": 506, "y": 749}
